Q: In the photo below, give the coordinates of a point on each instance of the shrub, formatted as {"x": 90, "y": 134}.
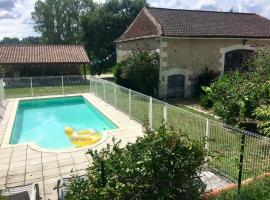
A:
{"x": 160, "y": 165}
{"x": 205, "y": 79}
{"x": 206, "y": 101}
{"x": 259, "y": 190}
{"x": 262, "y": 113}
{"x": 237, "y": 95}
{"x": 139, "y": 71}
{"x": 2, "y": 71}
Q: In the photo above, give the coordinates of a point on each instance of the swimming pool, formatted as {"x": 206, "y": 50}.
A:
{"x": 44, "y": 120}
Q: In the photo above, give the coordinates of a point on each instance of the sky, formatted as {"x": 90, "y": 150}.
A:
{"x": 15, "y": 15}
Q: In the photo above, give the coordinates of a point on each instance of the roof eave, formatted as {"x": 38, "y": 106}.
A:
{"x": 136, "y": 38}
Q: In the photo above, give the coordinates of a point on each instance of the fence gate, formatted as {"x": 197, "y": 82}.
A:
{"x": 176, "y": 86}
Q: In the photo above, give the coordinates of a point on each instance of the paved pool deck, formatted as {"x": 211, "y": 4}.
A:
{"x": 28, "y": 163}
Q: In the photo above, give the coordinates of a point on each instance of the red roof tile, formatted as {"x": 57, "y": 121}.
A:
{"x": 20, "y": 54}
{"x": 196, "y": 23}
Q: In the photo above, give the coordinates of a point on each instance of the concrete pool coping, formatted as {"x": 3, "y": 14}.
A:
{"x": 33, "y": 145}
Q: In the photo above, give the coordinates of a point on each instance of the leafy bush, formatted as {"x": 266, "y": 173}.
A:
{"x": 206, "y": 101}
{"x": 259, "y": 190}
{"x": 237, "y": 95}
{"x": 160, "y": 165}
{"x": 2, "y": 71}
{"x": 205, "y": 79}
{"x": 139, "y": 71}
{"x": 262, "y": 113}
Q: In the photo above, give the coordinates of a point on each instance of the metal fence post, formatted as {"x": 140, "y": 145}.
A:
{"x": 165, "y": 108}
{"x": 63, "y": 90}
{"x": 241, "y": 160}
{"x": 115, "y": 96}
{"x": 31, "y": 85}
{"x": 150, "y": 113}
{"x": 207, "y": 134}
{"x": 104, "y": 91}
{"x": 129, "y": 102}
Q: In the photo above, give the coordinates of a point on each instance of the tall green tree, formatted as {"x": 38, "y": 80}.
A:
{"x": 26, "y": 40}
{"x": 103, "y": 26}
{"x": 30, "y": 40}
{"x": 7, "y": 40}
{"x": 58, "y": 21}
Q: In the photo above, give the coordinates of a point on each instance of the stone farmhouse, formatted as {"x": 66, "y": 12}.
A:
{"x": 189, "y": 41}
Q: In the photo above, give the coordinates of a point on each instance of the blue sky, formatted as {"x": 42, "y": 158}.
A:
{"x": 15, "y": 15}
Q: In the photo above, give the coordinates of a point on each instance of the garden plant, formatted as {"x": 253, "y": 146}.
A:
{"x": 242, "y": 98}
{"x": 160, "y": 165}
{"x": 140, "y": 72}
{"x": 258, "y": 190}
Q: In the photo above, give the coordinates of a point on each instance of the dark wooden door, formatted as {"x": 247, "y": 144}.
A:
{"x": 176, "y": 86}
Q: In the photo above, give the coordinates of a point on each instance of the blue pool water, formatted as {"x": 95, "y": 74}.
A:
{"x": 43, "y": 121}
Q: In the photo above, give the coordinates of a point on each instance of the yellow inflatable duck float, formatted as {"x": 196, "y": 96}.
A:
{"x": 82, "y": 138}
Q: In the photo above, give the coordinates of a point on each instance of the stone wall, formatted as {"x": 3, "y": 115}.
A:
{"x": 125, "y": 48}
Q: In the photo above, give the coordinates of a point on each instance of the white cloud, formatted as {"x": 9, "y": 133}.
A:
{"x": 16, "y": 20}
{"x": 15, "y": 15}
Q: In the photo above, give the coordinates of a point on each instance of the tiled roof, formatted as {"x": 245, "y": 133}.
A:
{"x": 196, "y": 23}
{"x": 20, "y": 54}
{"x": 143, "y": 26}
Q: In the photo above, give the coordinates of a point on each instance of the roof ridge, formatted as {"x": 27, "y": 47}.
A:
{"x": 155, "y": 21}
{"x": 21, "y": 54}
{"x": 193, "y": 10}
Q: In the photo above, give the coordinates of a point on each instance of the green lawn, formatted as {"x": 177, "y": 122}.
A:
{"x": 224, "y": 144}
{"x": 257, "y": 190}
{"x": 44, "y": 91}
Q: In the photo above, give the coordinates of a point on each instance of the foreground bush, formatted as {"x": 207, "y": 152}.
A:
{"x": 140, "y": 72}
{"x": 160, "y": 165}
{"x": 259, "y": 190}
{"x": 239, "y": 96}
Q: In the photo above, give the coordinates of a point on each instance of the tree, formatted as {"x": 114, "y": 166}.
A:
{"x": 26, "y": 40}
{"x": 7, "y": 40}
{"x": 30, "y": 40}
{"x": 140, "y": 72}
{"x": 103, "y": 26}
{"x": 83, "y": 21}
{"x": 58, "y": 21}
{"x": 160, "y": 165}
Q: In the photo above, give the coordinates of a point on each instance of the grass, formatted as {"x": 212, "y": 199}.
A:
{"x": 44, "y": 91}
{"x": 224, "y": 144}
{"x": 208, "y": 113}
{"x": 258, "y": 190}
